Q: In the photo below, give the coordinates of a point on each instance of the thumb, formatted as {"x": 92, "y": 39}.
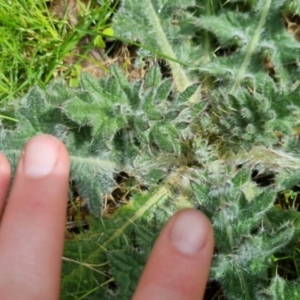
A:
{"x": 178, "y": 267}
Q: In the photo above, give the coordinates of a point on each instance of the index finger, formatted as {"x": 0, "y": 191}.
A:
{"x": 178, "y": 267}
{"x": 32, "y": 227}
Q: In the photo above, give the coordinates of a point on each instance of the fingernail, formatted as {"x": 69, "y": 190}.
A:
{"x": 188, "y": 232}
{"x": 40, "y": 156}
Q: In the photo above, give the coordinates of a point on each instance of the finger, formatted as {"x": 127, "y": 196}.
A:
{"x": 5, "y": 173}
{"x": 178, "y": 267}
{"x": 32, "y": 229}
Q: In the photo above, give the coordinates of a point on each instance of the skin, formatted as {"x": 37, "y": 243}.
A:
{"x": 32, "y": 234}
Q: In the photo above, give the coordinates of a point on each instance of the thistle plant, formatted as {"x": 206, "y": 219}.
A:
{"x": 151, "y": 132}
{"x": 227, "y": 115}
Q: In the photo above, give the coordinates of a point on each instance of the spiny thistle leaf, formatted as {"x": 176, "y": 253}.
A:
{"x": 109, "y": 127}
{"x": 232, "y": 43}
{"x": 156, "y": 31}
{"x": 102, "y": 129}
{"x": 243, "y": 257}
{"x": 111, "y": 234}
{"x": 252, "y": 117}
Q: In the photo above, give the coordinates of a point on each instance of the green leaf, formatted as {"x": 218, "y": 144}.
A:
{"x": 98, "y": 42}
{"x": 263, "y": 202}
{"x": 166, "y": 138}
{"x": 184, "y": 96}
{"x": 131, "y": 262}
{"x": 153, "y": 77}
{"x": 156, "y": 31}
{"x": 242, "y": 177}
{"x": 163, "y": 90}
{"x": 108, "y": 32}
{"x": 122, "y": 80}
{"x": 88, "y": 258}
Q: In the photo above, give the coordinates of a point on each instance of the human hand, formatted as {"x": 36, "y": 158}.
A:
{"x": 32, "y": 234}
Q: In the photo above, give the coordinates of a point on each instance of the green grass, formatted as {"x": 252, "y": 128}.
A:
{"x": 33, "y": 43}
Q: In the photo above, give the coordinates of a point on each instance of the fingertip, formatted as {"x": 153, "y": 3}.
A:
{"x": 179, "y": 265}
{"x": 43, "y": 155}
{"x": 190, "y": 231}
